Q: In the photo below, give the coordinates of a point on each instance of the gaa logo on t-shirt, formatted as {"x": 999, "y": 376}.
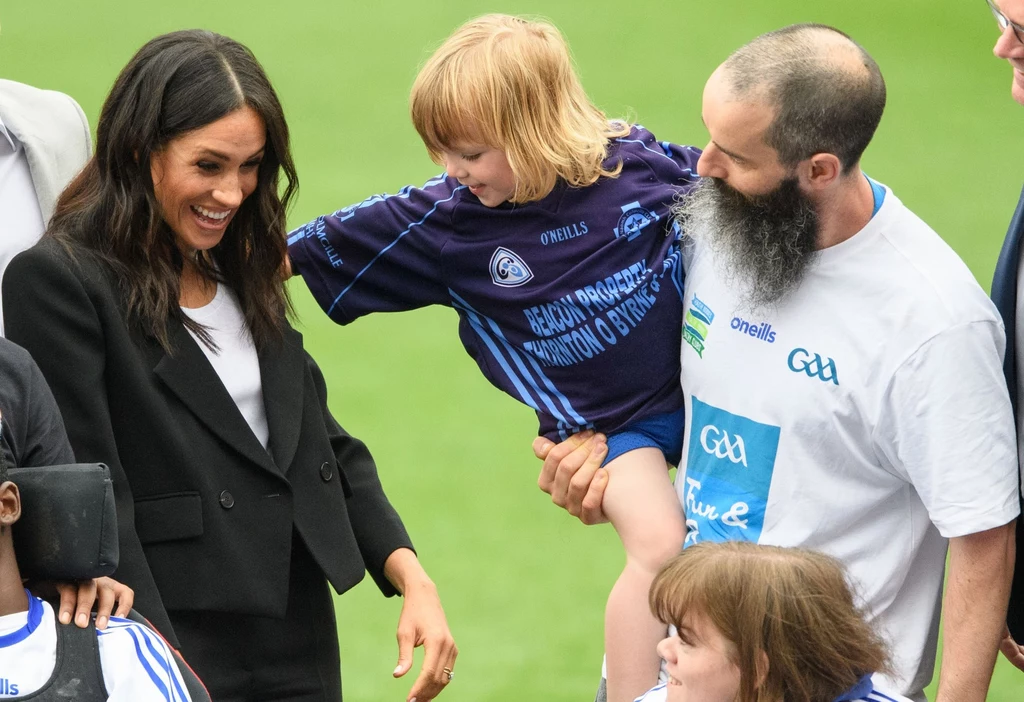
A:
{"x": 508, "y": 269}
{"x": 729, "y": 467}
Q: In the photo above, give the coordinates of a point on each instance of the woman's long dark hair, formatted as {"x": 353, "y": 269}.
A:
{"x": 176, "y": 83}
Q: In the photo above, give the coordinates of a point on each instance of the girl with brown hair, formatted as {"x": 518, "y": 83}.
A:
{"x": 764, "y": 624}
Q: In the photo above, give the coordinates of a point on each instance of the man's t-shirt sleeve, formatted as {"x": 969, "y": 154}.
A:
{"x": 947, "y": 427}
{"x": 381, "y": 255}
{"x": 138, "y": 665}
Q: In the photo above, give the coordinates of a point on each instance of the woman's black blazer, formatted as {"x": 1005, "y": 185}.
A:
{"x": 205, "y": 513}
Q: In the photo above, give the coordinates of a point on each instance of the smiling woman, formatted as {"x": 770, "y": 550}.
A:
{"x": 201, "y": 178}
{"x": 155, "y": 307}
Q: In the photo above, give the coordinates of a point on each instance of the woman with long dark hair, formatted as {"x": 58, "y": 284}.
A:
{"x": 156, "y": 308}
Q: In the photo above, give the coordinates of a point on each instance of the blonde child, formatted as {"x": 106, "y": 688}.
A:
{"x": 550, "y": 234}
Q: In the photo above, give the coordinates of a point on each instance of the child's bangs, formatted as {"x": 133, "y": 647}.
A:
{"x": 681, "y": 589}
{"x": 449, "y": 107}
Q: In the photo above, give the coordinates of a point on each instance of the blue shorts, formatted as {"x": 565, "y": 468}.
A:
{"x": 660, "y": 431}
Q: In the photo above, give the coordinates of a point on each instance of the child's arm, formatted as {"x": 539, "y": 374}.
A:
{"x": 381, "y": 255}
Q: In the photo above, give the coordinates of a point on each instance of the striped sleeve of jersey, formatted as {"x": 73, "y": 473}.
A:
{"x": 380, "y": 255}
{"x": 655, "y": 694}
{"x": 138, "y": 666}
{"x": 670, "y": 163}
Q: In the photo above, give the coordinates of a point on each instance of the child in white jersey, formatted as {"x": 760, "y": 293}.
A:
{"x": 550, "y": 234}
{"x": 40, "y": 659}
{"x": 764, "y": 624}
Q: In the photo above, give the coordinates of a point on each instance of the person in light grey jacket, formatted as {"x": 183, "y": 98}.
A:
{"x": 44, "y": 142}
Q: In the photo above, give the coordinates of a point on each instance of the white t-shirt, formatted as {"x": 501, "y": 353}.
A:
{"x": 880, "y": 692}
{"x": 867, "y": 417}
{"x": 235, "y": 359}
{"x": 137, "y": 664}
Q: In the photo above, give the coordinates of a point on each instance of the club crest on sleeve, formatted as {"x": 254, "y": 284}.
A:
{"x": 508, "y": 269}
{"x": 634, "y": 218}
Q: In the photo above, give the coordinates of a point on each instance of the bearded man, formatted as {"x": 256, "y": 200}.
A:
{"x": 842, "y": 368}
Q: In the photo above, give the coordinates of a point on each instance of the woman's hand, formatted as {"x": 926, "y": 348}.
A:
{"x": 422, "y": 623}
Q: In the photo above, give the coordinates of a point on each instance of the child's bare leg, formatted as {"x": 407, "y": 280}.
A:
{"x": 642, "y": 505}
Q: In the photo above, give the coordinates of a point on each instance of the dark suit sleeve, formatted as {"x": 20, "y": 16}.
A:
{"x": 377, "y": 526}
{"x": 49, "y": 312}
{"x": 46, "y": 440}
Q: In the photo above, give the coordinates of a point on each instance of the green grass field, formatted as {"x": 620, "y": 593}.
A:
{"x": 523, "y": 585}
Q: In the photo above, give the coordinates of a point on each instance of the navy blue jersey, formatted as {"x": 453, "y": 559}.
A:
{"x": 571, "y": 304}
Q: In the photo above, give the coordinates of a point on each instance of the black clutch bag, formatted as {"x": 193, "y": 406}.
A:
{"x": 68, "y": 525}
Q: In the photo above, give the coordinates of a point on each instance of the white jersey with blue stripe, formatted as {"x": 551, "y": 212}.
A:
{"x": 137, "y": 664}
{"x": 879, "y": 692}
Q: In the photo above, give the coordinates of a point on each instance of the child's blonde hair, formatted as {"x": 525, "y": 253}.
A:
{"x": 509, "y": 83}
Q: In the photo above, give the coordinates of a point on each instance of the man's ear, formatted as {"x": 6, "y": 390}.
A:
{"x": 10, "y": 504}
{"x": 820, "y": 171}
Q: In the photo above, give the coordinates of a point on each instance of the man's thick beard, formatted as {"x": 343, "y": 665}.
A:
{"x": 765, "y": 242}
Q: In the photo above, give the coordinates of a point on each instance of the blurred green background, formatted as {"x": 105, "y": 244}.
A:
{"x": 523, "y": 584}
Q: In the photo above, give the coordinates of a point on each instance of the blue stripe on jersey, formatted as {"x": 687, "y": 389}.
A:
{"x": 160, "y": 685}
{"x": 676, "y": 262}
{"x": 474, "y": 318}
{"x": 389, "y": 246}
{"x": 656, "y": 688}
{"x": 879, "y": 697}
{"x": 517, "y": 358}
{"x": 348, "y": 212}
{"x": 877, "y": 193}
{"x": 482, "y": 333}
{"x": 159, "y": 651}
{"x": 35, "y": 615}
{"x": 642, "y": 143}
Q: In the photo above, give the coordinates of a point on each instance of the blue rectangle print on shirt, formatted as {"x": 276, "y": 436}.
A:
{"x": 729, "y": 469}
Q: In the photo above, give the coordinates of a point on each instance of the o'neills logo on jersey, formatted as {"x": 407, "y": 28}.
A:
{"x": 762, "y": 331}
{"x": 634, "y": 218}
{"x": 508, "y": 270}
{"x": 7, "y": 687}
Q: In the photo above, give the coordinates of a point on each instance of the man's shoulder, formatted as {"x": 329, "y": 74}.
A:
{"x": 21, "y": 100}
{"x": 929, "y": 276}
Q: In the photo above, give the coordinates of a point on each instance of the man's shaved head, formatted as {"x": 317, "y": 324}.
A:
{"x": 827, "y": 93}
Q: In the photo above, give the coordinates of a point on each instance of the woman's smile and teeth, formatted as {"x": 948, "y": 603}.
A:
{"x": 212, "y": 218}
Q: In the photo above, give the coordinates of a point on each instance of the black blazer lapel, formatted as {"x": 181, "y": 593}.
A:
{"x": 1004, "y": 294}
{"x": 189, "y": 375}
{"x": 282, "y": 368}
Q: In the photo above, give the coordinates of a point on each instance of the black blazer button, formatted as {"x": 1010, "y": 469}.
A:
{"x": 227, "y": 500}
{"x": 326, "y": 472}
